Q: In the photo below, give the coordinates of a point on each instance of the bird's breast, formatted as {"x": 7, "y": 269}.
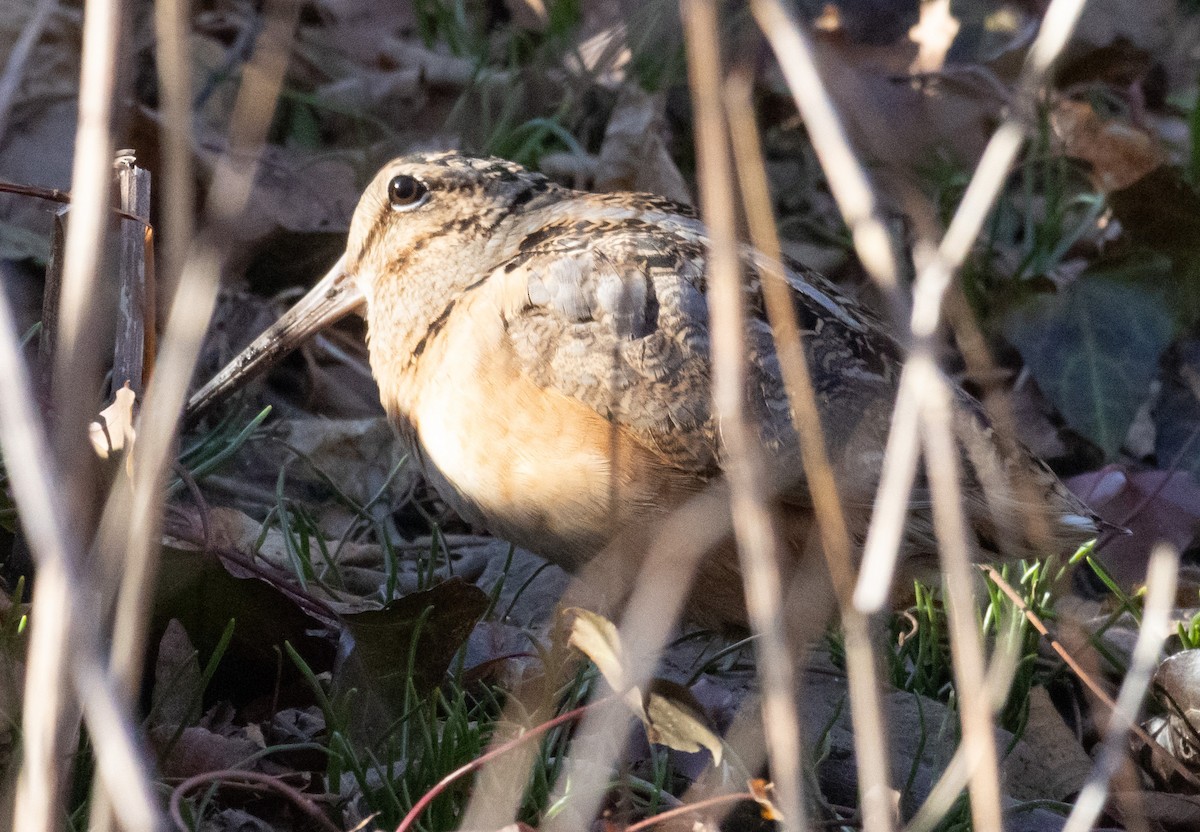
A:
{"x": 532, "y": 465}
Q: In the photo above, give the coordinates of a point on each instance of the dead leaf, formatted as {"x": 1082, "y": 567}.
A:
{"x": 393, "y": 91}
{"x": 675, "y": 719}
{"x": 1118, "y": 153}
{"x": 408, "y": 644}
{"x": 597, "y": 638}
{"x": 500, "y": 654}
{"x": 761, "y": 791}
{"x": 1147, "y": 24}
{"x": 1153, "y": 505}
{"x": 302, "y": 191}
{"x": 634, "y": 155}
{"x": 1175, "y": 812}
{"x": 177, "y": 678}
{"x": 297, "y": 725}
{"x": 359, "y": 564}
{"x": 199, "y": 750}
{"x": 205, "y": 595}
{"x": 360, "y": 27}
{"x": 670, "y": 714}
{"x": 1049, "y": 763}
{"x": 113, "y": 432}
{"x": 948, "y": 116}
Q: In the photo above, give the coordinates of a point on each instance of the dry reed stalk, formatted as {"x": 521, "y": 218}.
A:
{"x": 755, "y": 525}
{"x": 933, "y": 280}
{"x": 1161, "y": 576}
{"x": 131, "y": 526}
{"x": 58, "y": 488}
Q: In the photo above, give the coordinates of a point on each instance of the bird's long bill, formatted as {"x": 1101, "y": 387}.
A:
{"x": 335, "y": 295}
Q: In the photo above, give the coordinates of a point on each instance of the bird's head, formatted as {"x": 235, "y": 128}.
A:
{"x": 424, "y": 217}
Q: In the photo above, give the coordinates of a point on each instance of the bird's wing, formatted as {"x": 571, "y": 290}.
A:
{"x": 617, "y": 318}
{"x": 612, "y": 312}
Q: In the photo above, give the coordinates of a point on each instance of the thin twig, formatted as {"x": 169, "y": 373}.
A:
{"x": 233, "y": 776}
{"x": 688, "y": 809}
{"x": 62, "y": 198}
{"x": 1087, "y": 679}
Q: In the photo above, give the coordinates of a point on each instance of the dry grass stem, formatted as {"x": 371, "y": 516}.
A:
{"x": 883, "y": 538}
{"x": 1161, "y": 576}
{"x": 130, "y": 529}
{"x": 759, "y": 543}
{"x": 51, "y": 718}
{"x": 75, "y": 367}
{"x": 176, "y": 193}
{"x": 866, "y": 707}
{"x": 122, "y": 772}
{"x": 847, "y": 178}
{"x": 954, "y": 548}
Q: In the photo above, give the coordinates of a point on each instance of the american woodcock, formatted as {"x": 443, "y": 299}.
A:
{"x": 543, "y": 353}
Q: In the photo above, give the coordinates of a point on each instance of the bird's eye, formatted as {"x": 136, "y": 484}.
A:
{"x": 407, "y": 192}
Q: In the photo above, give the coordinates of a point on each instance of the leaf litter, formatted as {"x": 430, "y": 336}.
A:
{"x": 368, "y": 82}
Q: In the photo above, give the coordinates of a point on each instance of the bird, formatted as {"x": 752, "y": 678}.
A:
{"x": 543, "y": 354}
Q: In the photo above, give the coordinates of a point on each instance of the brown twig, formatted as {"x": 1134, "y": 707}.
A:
{"x": 689, "y": 809}
{"x": 447, "y": 781}
{"x": 866, "y": 707}
{"x": 61, "y": 197}
{"x": 237, "y": 777}
{"x": 1086, "y": 678}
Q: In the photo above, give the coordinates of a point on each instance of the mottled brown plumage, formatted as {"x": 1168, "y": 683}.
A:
{"x": 544, "y": 354}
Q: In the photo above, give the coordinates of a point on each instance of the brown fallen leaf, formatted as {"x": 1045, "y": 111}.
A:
{"x": 761, "y": 790}
{"x": 1117, "y": 152}
{"x": 1152, "y": 505}
{"x": 670, "y": 714}
{"x": 1049, "y": 763}
{"x": 177, "y": 678}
